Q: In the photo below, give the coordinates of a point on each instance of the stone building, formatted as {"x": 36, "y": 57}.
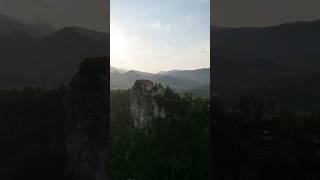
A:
{"x": 145, "y": 85}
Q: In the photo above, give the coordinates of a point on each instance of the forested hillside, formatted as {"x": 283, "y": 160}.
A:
{"x": 54, "y": 134}
{"x": 266, "y": 105}
{"x": 31, "y": 134}
{"x": 256, "y": 140}
{"x": 172, "y": 147}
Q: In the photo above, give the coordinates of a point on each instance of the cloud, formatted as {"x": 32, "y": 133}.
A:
{"x": 201, "y": 51}
{"x": 156, "y": 25}
{"x": 164, "y": 41}
{"x": 203, "y": 48}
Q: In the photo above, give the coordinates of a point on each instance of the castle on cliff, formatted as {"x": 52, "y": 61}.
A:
{"x": 143, "y": 105}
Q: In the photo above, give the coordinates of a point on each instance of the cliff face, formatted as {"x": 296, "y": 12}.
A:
{"x": 143, "y": 106}
{"x": 87, "y": 123}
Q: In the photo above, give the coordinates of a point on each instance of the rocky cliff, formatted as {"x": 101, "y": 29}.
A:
{"x": 87, "y": 123}
{"x": 143, "y": 104}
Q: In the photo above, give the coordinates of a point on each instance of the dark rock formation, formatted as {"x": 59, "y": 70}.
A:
{"x": 87, "y": 123}
{"x": 143, "y": 106}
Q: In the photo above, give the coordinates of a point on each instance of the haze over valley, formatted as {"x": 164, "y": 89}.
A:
{"x": 193, "y": 81}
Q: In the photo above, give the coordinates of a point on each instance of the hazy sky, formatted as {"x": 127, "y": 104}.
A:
{"x": 160, "y": 35}
{"x": 237, "y": 13}
{"x": 91, "y": 14}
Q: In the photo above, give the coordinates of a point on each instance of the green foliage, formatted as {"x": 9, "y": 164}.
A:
{"x": 174, "y": 147}
{"x": 31, "y": 127}
{"x": 253, "y": 140}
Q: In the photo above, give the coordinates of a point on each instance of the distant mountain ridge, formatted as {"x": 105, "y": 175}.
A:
{"x": 181, "y": 80}
{"x": 285, "y": 44}
{"x": 37, "y": 28}
{"x": 27, "y": 60}
{"x": 30, "y": 58}
{"x": 254, "y": 60}
{"x": 113, "y": 69}
{"x": 199, "y": 75}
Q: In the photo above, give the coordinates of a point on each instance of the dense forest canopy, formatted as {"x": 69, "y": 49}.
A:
{"x": 38, "y": 127}
{"x": 257, "y": 140}
{"x": 31, "y": 133}
{"x": 174, "y": 147}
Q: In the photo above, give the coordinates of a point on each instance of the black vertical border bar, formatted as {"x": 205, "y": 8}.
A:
{"x": 211, "y": 124}
{"x": 108, "y": 163}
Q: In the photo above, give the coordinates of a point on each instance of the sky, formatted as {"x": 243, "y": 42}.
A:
{"x": 154, "y": 35}
{"x": 92, "y": 14}
{"x": 239, "y": 13}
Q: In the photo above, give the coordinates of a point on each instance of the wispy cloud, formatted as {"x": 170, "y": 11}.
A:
{"x": 158, "y": 41}
{"x": 156, "y": 25}
{"x": 201, "y": 51}
{"x": 203, "y": 48}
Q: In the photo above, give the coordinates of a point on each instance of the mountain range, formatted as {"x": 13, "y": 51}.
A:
{"x": 194, "y": 81}
{"x": 36, "y": 28}
{"x": 244, "y": 59}
{"x": 30, "y": 58}
{"x": 267, "y": 61}
{"x": 36, "y": 56}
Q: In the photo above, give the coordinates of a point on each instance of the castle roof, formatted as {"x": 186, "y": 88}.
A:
{"x": 145, "y": 82}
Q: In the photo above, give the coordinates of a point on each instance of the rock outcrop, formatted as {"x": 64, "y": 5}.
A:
{"x": 143, "y": 105}
{"x": 87, "y": 122}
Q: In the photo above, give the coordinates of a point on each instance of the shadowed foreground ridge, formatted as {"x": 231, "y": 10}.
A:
{"x": 266, "y": 118}
{"x": 86, "y": 122}
{"x": 59, "y": 133}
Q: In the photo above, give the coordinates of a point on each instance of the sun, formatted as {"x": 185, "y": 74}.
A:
{"x": 118, "y": 42}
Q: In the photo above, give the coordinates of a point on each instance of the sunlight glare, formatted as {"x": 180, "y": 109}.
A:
{"x": 118, "y": 42}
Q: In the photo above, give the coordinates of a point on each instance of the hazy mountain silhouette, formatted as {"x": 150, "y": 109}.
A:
{"x": 193, "y": 80}
{"x": 293, "y": 44}
{"x": 266, "y": 60}
{"x": 119, "y": 70}
{"x": 36, "y": 28}
{"x": 95, "y": 35}
{"x": 199, "y": 75}
{"x": 30, "y": 61}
